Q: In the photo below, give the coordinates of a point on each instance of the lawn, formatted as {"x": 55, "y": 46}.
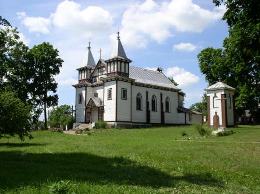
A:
{"x": 151, "y": 160}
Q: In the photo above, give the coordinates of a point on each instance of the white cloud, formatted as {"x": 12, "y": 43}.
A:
{"x": 150, "y": 20}
{"x": 69, "y": 28}
{"x": 69, "y": 17}
{"x": 87, "y": 21}
{"x": 187, "y": 47}
{"x": 181, "y": 76}
{"x": 35, "y": 24}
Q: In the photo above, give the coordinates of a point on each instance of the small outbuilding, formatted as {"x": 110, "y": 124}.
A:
{"x": 220, "y": 105}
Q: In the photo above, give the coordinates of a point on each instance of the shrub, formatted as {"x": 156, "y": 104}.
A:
{"x": 62, "y": 187}
{"x": 100, "y": 125}
{"x": 184, "y": 134}
{"x": 15, "y": 116}
{"x": 203, "y": 131}
{"x": 225, "y": 133}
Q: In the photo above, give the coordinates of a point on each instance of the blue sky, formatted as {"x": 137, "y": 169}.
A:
{"x": 166, "y": 33}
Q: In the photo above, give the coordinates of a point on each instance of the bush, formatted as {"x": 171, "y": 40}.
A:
{"x": 203, "y": 131}
{"x": 15, "y": 116}
{"x": 225, "y": 133}
{"x": 184, "y": 134}
{"x": 62, "y": 187}
{"x": 100, "y": 125}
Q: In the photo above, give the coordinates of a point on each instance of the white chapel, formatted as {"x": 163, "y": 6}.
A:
{"x": 114, "y": 91}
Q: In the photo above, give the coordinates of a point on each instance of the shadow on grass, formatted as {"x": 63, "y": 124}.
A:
{"x": 21, "y": 169}
{"x": 18, "y": 145}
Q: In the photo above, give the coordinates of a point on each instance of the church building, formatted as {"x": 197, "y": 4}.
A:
{"x": 114, "y": 91}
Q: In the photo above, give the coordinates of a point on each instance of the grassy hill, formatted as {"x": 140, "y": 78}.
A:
{"x": 152, "y": 160}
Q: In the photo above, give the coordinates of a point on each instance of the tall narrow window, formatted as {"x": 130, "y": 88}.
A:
{"x": 80, "y": 98}
{"x": 109, "y": 94}
{"x": 214, "y": 101}
{"x": 139, "y": 101}
{"x": 124, "y": 94}
{"x": 154, "y": 103}
{"x": 167, "y": 104}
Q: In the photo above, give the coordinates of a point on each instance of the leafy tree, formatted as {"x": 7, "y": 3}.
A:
{"x": 201, "y": 106}
{"x": 13, "y": 61}
{"x": 237, "y": 63}
{"x": 15, "y": 116}
{"x": 61, "y": 116}
{"x": 45, "y": 64}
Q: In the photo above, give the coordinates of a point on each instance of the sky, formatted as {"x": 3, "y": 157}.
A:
{"x": 166, "y": 33}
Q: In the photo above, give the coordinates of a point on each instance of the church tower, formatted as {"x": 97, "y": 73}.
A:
{"x": 118, "y": 64}
{"x": 85, "y": 72}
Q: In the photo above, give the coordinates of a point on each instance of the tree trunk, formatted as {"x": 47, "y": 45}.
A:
{"x": 45, "y": 116}
{"x": 45, "y": 112}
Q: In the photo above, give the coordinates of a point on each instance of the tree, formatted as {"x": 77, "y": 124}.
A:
{"x": 61, "y": 116}
{"x": 14, "y": 72}
{"x": 15, "y": 117}
{"x": 201, "y": 106}
{"x": 45, "y": 64}
{"x": 237, "y": 63}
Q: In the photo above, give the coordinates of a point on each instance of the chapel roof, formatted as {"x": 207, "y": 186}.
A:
{"x": 151, "y": 77}
{"x": 219, "y": 86}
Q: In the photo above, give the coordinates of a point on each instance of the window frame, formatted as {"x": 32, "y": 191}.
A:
{"x": 214, "y": 97}
{"x": 139, "y": 97}
{"x": 80, "y": 98}
{"x": 122, "y": 94}
{"x": 154, "y": 106}
{"x": 109, "y": 94}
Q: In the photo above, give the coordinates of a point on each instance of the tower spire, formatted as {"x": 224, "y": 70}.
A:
{"x": 119, "y": 50}
{"x": 90, "y": 61}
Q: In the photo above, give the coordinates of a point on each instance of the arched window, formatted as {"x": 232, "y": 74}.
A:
{"x": 154, "y": 103}
{"x": 167, "y": 104}
{"x": 139, "y": 101}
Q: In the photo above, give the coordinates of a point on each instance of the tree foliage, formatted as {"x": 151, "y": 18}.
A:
{"x": 45, "y": 64}
{"x": 200, "y": 106}
{"x": 237, "y": 63}
{"x": 61, "y": 116}
{"x": 15, "y": 117}
{"x": 28, "y": 72}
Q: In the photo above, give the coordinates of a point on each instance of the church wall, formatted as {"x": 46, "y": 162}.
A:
{"x": 123, "y": 106}
{"x": 172, "y": 116}
{"x": 80, "y": 108}
{"x": 110, "y": 105}
{"x": 138, "y": 115}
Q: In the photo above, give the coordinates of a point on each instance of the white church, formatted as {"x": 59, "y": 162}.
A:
{"x": 114, "y": 91}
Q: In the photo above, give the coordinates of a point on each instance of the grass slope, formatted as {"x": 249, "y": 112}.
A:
{"x": 134, "y": 161}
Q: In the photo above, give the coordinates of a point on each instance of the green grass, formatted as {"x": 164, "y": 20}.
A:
{"x": 151, "y": 160}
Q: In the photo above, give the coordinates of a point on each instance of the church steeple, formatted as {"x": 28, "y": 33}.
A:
{"x": 118, "y": 64}
{"x": 90, "y": 61}
{"x": 119, "y": 50}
